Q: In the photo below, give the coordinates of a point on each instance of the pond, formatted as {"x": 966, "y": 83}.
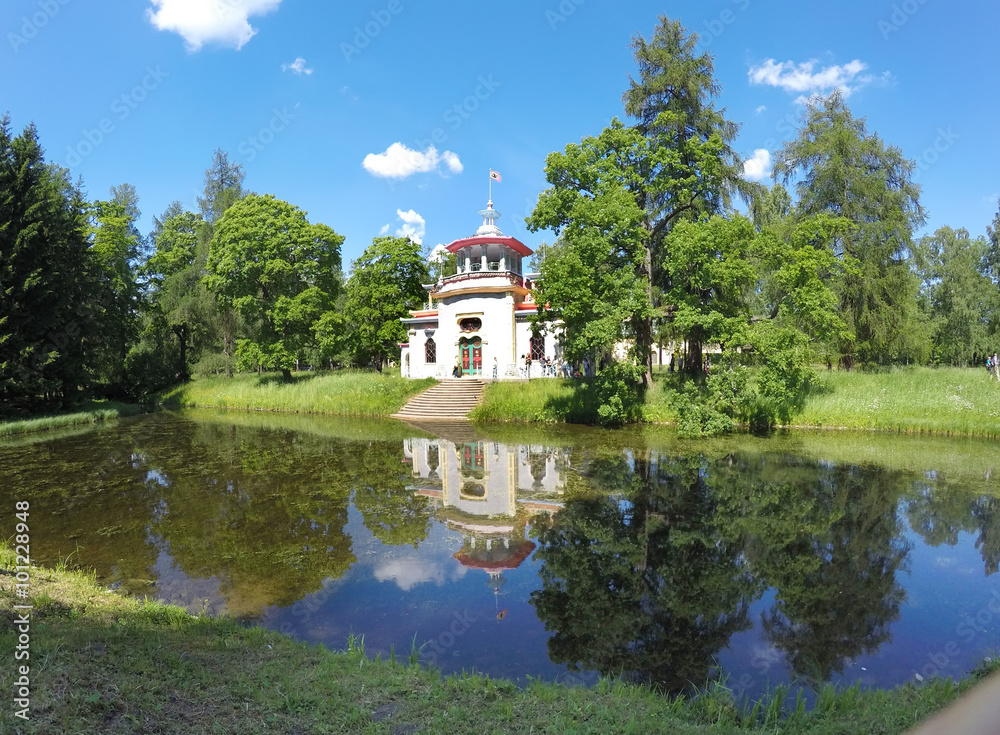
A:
{"x": 558, "y": 554}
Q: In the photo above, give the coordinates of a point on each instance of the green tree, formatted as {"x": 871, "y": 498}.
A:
{"x": 223, "y": 187}
{"x": 116, "y": 246}
{"x": 959, "y": 295}
{"x": 596, "y": 278}
{"x": 175, "y": 271}
{"x": 673, "y": 99}
{"x": 764, "y": 298}
{"x": 278, "y": 272}
{"x": 385, "y": 284}
{"x": 46, "y": 286}
{"x": 845, "y": 171}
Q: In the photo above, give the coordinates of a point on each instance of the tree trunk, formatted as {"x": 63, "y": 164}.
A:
{"x": 286, "y": 375}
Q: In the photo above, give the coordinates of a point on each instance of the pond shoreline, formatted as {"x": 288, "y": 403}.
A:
{"x": 159, "y": 667}
{"x": 947, "y": 402}
{"x": 90, "y": 412}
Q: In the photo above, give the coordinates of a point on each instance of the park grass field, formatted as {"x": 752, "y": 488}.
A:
{"x": 949, "y": 401}
{"x": 102, "y": 662}
{"x": 344, "y": 393}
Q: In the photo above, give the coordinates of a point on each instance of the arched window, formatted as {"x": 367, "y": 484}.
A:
{"x": 537, "y": 346}
{"x": 430, "y": 352}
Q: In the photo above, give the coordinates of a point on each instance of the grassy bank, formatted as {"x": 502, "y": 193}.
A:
{"x": 345, "y": 393}
{"x": 961, "y": 401}
{"x": 949, "y": 401}
{"x": 89, "y": 412}
{"x": 561, "y": 400}
{"x": 100, "y": 662}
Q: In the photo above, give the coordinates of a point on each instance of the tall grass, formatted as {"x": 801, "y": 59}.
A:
{"x": 346, "y": 393}
{"x": 958, "y": 401}
{"x": 548, "y": 400}
{"x": 91, "y": 413}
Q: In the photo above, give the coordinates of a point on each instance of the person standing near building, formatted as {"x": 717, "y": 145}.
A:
{"x": 996, "y": 367}
{"x": 496, "y": 368}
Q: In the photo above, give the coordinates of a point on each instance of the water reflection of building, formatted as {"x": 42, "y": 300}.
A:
{"x": 489, "y": 492}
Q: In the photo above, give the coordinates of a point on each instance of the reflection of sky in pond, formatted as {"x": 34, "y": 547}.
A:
{"x": 392, "y": 594}
{"x": 283, "y": 527}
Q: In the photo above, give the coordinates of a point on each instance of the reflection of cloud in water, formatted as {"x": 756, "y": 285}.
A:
{"x": 764, "y": 657}
{"x": 943, "y": 562}
{"x": 194, "y": 594}
{"x": 408, "y": 573}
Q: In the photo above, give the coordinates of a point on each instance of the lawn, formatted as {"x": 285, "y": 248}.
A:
{"x": 345, "y": 392}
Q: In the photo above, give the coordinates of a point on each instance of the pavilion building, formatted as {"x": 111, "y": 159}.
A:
{"x": 477, "y": 318}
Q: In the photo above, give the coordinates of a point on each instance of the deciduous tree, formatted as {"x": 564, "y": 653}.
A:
{"x": 278, "y": 272}
{"x": 385, "y": 284}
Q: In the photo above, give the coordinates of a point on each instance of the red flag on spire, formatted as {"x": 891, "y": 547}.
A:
{"x": 495, "y": 175}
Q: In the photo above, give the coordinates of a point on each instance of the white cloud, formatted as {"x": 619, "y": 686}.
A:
{"x": 812, "y": 83}
{"x": 384, "y": 230}
{"x": 452, "y": 162}
{"x": 413, "y": 226}
{"x": 398, "y": 161}
{"x": 206, "y": 21}
{"x": 298, "y": 67}
{"x": 438, "y": 253}
{"x": 408, "y": 573}
{"x": 760, "y": 109}
{"x": 758, "y": 166}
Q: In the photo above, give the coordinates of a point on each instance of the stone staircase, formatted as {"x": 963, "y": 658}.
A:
{"x": 448, "y": 400}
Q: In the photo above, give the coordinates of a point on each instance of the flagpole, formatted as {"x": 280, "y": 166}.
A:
{"x": 491, "y": 185}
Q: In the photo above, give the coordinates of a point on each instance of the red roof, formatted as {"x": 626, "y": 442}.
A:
{"x": 512, "y": 560}
{"x": 512, "y": 242}
{"x": 425, "y": 312}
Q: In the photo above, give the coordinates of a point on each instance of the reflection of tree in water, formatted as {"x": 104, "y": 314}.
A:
{"x": 97, "y": 503}
{"x": 391, "y": 511}
{"x": 831, "y": 548}
{"x": 939, "y": 513}
{"x": 986, "y": 510}
{"x": 261, "y": 510}
{"x": 637, "y": 581}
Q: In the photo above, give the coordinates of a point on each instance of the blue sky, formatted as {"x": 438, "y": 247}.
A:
{"x": 387, "y": 116}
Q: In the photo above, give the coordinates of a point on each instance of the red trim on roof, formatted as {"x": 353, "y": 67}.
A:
{"x": 425, "y": 312}
{"x": 511, "y": 562}
{"x": 526, "y": 307}
{"x": 512, "y": 242}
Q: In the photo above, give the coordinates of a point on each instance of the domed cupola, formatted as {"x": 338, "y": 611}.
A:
{"x": 489, "y": 227}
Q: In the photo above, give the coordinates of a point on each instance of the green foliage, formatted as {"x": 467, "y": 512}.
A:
{"x": 278, "y": 272}
{"x": 385, "y": 285}
{"x": 959, "y": 297}
{"x": 115, "y": 248}
{"x": 47, "y": 281}
{"x": 845, "y": 171}
{"x": 619, "y": 394}
{"x": 223, "y": 187}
